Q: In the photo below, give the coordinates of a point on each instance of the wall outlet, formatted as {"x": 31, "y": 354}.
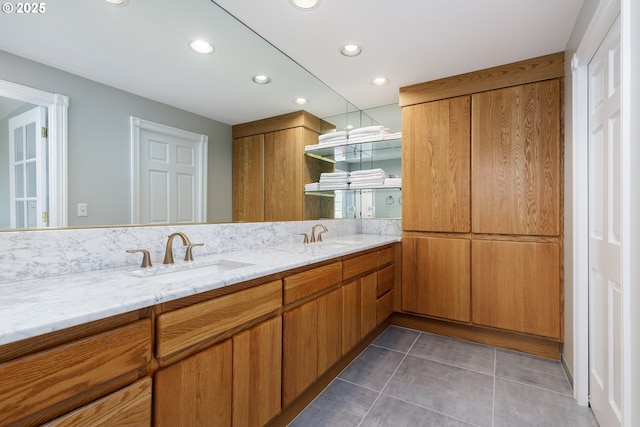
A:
{"x": 83, "y": 209}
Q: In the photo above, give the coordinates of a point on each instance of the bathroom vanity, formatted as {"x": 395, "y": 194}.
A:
{"x": 236, "y": 338}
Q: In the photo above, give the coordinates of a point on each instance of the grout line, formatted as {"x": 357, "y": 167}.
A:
{"x": 493, "y": 400}
{"x": 389, "y": 380}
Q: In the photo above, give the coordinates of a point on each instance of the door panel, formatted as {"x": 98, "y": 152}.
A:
{"x": 605, "y": 285}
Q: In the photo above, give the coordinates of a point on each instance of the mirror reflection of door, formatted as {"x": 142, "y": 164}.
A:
{"x": 169, "y": 171}
{"x": 28, "y": 184}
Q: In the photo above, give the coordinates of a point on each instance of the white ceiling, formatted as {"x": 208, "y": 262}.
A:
{"x": 142, "y": 47}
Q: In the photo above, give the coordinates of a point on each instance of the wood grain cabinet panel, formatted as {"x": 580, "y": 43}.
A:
{"x": 179, "y": 329}
{"x": 248, "y": 178}
{"x": 359, "y": 265}
{"x": 386, "y": 280}
{"x": 351, "y": 315}
{"x": 369, "y": 285}
{"x": 196, "y": 391}
{"x": 130, "y": 406}
{"x": 300, "y": 350}
{"x": 436, "y": 275}
{"x": 516, "y": 150}
{"x": 329, "y": 330}
{"x": 57, "y": 380}
{"x": 436, "y": 166}
{"x": 257, "y": 363}
{"x": 300, "y": 285}
{"x": 516, "y": 286}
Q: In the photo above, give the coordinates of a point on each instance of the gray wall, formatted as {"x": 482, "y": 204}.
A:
{"x": 98, "y": 142}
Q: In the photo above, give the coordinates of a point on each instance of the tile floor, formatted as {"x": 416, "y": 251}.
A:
{"x": 410, "y": 378}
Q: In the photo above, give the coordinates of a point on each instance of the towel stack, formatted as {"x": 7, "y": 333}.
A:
{"x": 393, "y": 182}
{"x": 313, "y": 186}
{"x": 369, "y": 178}
{"x": 338, "y": 137}
{"x": 367, "y": 134}
{"x": 334, "y": 181}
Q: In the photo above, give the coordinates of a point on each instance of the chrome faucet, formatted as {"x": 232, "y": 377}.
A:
{"x": 168, "y": 254}
{"x": 313, "y": 233}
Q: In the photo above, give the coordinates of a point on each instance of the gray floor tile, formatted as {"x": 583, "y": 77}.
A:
{"x": 463, "y": 354}
{"x": 391, "y": 412}
{"x": 340, "y": 404}
{"x": 396, "y": 338}
{"x": 532, "y": 370}
{"x": 373, "y": 367}
{"x": 521, "y": 405}
{"x": 449, "y": 390}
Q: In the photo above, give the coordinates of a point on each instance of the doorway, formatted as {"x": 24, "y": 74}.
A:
{"x": 168, "y": 174}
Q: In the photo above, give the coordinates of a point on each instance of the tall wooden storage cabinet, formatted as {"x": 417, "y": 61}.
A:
{"x": 270, "y": 169}
{"x": 482, "y": 211}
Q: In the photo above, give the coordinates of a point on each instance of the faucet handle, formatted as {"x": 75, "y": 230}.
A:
{"x": 319, "y": 239}
{"x": 188, "y": 255}
{"x": 146, "y": 258}
{"x": 306, "y": 237}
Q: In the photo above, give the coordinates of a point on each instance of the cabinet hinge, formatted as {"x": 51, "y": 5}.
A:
{"x": 45, "y": 217}
{"x": 45, "y": 132}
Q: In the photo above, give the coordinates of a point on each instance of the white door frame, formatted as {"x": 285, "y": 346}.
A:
{"x": 136, "y": 125}
{"x": 603, "y": 18}
{"x": 57, "y": 117}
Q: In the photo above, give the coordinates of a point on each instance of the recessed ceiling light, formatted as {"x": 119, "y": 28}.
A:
{"x": 351, "y": 50}
{"x": 261, "y": 79}
{"x": 380, "y": 81}
{"x": 116, "y": 2}
{"x": 201, "y": 46}
{"x": 301, "y": 101}
{"x": 305, "y": 4}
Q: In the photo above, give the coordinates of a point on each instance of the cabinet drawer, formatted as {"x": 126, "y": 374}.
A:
{"x": 130, "y": 406}
{"x": 298, "y": 286}
{"x": 180, "y": 329}
{"x": 385, "y": 256}
{"x": 359, "y": 265}
{"x": 54, "y": 381}
{"x": 384, "y": 307}
{"x": 386, "y": 278}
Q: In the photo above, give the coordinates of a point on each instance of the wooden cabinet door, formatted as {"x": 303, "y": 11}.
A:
{"x": 516, "y": 286}
{"x": 248, "y": 178}
{"x": 436, "y": 166}
{"x": 351, "y": 315}
{"x": 369, "y": 300}
{"x": 285, "y": 173}
{"x": 299, "y": 350}
{"x": 516, "y": 160}
{"x": 196, "y": 391}
{"x": 436, "y": 274}
{"x": 329, "y": 330}
{"x": 257, "y": 361}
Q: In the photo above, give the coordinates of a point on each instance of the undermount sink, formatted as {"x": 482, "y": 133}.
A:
{"x": 213, "y": 266}
{"x": 337, "y": 244}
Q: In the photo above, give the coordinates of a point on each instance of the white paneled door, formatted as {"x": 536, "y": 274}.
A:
{"x": 169, "y": 174}
{"x": 28, "y": 184}
{"x": 606, "y": 290}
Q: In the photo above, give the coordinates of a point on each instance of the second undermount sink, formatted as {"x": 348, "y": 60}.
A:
{"x": 212, "y": 266}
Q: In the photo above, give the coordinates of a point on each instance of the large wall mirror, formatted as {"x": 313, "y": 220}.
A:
{"x": 89, "y": 57}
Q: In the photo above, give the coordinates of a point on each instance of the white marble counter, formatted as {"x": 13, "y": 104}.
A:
{"x": 33, "y": 307}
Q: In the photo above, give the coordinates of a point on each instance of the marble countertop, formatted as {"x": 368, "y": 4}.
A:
{"x": 34, "y": 307}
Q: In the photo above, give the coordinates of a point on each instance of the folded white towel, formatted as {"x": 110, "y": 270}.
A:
{"x": 332, "y": 135}
{"x": 379, "y": 129}
{"x": 313, "y": 186}
{"x": 369, "y": 172}
{"x": 344, "y": 186}
{"x": 367, "y": 184}
{"x": 394, "y": 135}
{"x": 393, "y": 182}
{"x": 337, "y": 173}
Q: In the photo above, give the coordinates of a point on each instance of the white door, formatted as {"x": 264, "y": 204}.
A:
{"x": 605, "y": 284}
{"x": 28, "y": 192}
{"x": 169, "y": 174}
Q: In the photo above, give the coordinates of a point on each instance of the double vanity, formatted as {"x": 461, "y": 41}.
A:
{"x": 240, "y": 335}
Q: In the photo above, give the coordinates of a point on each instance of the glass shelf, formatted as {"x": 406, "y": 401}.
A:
{"x": 357, "y": 152}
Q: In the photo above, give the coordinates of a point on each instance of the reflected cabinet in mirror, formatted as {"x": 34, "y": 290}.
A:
{"x": 83, "y": 174}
